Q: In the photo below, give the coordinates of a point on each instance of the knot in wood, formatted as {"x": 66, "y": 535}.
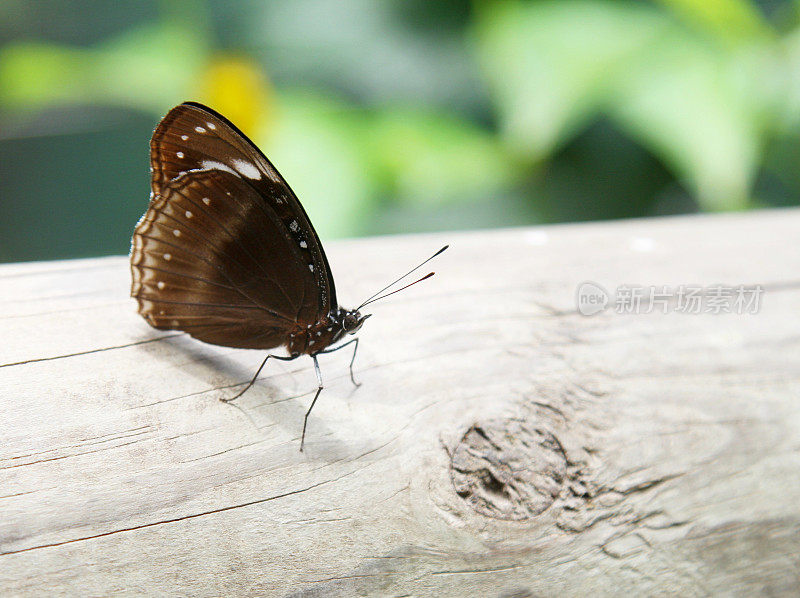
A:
{"x": 508, "y": 469}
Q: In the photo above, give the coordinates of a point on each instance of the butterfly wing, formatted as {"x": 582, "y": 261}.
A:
{"x": 194, "y": 137}
{"x": 225, "y": 251}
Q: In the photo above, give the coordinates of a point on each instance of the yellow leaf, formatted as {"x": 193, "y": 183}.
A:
{"x": 239, "y": 89}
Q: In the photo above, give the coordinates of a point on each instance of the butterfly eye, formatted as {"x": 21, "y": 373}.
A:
{"x": 350, "y": 323}
{"x": 353, "y": 321}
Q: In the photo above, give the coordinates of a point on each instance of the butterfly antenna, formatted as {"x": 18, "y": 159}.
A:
{"x": 372, "y": 298}
{"x": 427, "y": 276}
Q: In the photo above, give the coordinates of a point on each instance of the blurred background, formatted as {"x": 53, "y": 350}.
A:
{"x": 393, "y": 116}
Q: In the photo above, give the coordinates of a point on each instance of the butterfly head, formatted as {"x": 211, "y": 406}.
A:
{"x": 352, "y": 321}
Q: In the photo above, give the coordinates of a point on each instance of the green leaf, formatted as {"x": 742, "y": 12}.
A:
{"x": 428, "y": 157}
{"x": 34, "y": 74}
{"x": 340, "y": 158}
{"x": 549, "y": 64}
{"x": 729, "y": 20}
{"x": 149, "y": 68}
{"x": 686, "y": 102}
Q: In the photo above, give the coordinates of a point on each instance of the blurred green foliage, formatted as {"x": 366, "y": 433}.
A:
{"x": 397, "y": 116}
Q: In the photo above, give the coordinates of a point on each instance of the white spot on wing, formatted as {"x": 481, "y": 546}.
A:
{"x": 211, "y": 126}
{"x": 168, "y": 256}
{"x": 303, "y": 244}
{"x": 206, "y": 201}
{"x": 293, "y": 226}
{"x": 200, "y": 129}
{"x": 161, "y": 284}
{"x": 188, "y": 214}
{"x": 248, "y": 169}
{"x": 214, "y": 165}
{"x": 311, "y": 267}
{"x": 179, "y": 154}
{"x": 176, "y": 232}
{"x": 184, "y": 137}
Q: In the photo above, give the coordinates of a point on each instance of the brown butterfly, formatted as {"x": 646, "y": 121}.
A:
{"x": 226, "y": 253}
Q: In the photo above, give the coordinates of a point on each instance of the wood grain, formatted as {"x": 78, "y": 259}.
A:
{"x": 502, "y": 444}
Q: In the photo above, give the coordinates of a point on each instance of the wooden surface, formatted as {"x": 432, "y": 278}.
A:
{"x": 501, "y": 444}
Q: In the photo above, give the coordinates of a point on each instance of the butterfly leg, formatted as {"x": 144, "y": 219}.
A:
{"x": 316, "y": 396}
{"x": 253, "y": 381}
{"x": 352, "y": 359}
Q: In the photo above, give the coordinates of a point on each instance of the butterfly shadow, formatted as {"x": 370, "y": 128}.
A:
{"x": 268, "y": 402}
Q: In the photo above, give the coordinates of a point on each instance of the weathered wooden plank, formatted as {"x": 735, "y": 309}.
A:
{"x": 502, "y": 444}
